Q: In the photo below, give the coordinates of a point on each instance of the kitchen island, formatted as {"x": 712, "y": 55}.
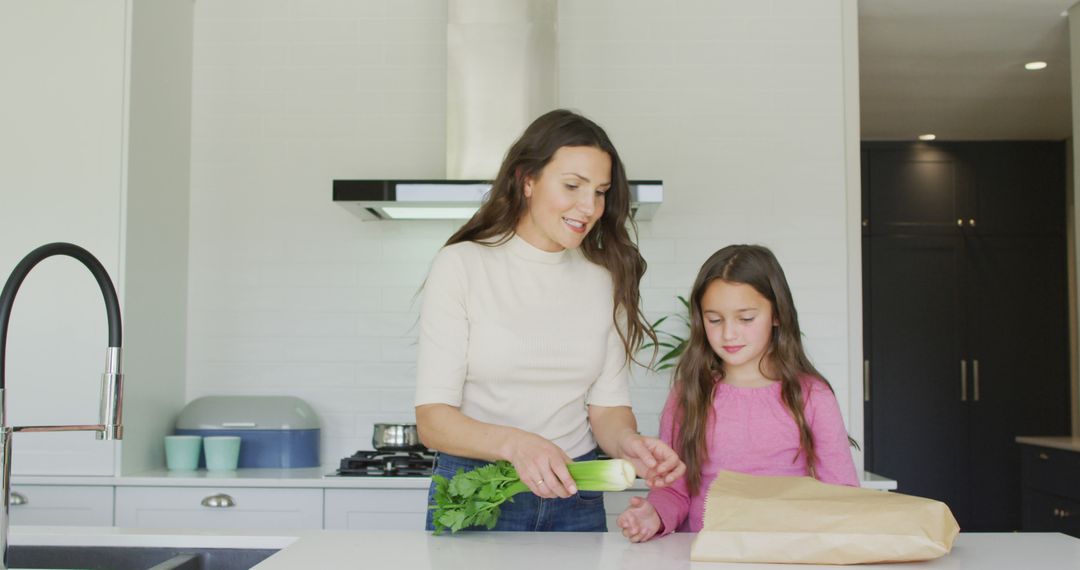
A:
{"x": 418, "y": 550}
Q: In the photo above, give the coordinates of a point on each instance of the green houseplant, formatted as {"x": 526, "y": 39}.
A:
{"x": 670, "y": 344}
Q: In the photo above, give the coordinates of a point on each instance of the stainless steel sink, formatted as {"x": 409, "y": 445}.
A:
{"x": 133, "y": 558}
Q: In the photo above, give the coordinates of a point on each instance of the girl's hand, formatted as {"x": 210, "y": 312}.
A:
{"x": 640, "y": 521}
{"x": 541, "y": 465}
{"x": 653, "y": 460}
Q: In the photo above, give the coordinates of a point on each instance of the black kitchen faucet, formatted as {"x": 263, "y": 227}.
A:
{"x": 111, "y": 426}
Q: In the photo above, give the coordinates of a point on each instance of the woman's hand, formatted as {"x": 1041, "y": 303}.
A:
{"x": 653, "y": 460}
{"x": 541, "y": 465}
{"x": 640, "y": 521}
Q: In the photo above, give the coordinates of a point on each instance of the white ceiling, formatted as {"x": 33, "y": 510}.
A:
{"x": 955, "y": 68}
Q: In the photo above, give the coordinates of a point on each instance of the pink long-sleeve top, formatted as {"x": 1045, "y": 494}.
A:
{"x": 752, "y": 432}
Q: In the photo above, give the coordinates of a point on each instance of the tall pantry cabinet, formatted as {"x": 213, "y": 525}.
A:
{"x": 965, "y": 317}
{"x": 95, "y": 122}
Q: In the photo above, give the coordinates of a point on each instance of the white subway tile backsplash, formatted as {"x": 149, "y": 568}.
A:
{"x": 344, "y": 349}
{"x": 285, "y": 376}
{"x": 417, "y": 9}
{"x": 723, "y": 9}
{"x": 240, "y": 349}
{"x": 322, "y": 31}
{"x": 223, "y": 77}
{"x": 418, "y": 54}
{"x": 335, "y": 425}
{"x": 336, "y": 55}
{"x": 335, "y": 9}
{"x": 306, "y": 78}
{"x": 399, "y": 349}
{"x": 398, "y": 400}
{"x": 807, "y": 9}
{"x": 398, "y": 31}
{"x": 224, "y": 9}
{"x": 329, "y": 298}
{"x": 405, "y": 78}
{"x": 225, "y": 31}
{"x": 346, "y": 400}
{"x": 698, "y": 29}
{"x": 808, "y": 32}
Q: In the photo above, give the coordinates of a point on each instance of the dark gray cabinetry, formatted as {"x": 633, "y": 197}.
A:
{"x": 1051, "y": 490}
{"x": 965, "y": 318}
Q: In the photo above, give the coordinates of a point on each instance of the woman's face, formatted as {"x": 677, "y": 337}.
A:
{"x": 566, "y": 199}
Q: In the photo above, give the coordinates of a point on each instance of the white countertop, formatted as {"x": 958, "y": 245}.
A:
{"x": 1068, "y": 443}
{"x": 418, "y": 550}
{"x": 314, "y": 477}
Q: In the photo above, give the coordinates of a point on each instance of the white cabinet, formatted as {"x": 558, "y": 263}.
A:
{"x": 57, "y": 505}
{"x": 371, "y": 509}
{"x": 219, "y": 508}
{"x": 615, "y": 503}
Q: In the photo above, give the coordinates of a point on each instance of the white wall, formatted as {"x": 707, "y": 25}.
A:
{"x": 739, "y": 106}
{"x": 155, "y": 229}
{"x": 61, "y": 143}
{"x": 94, "y": 150}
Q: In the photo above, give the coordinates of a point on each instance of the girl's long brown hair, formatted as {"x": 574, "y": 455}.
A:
{"x": 608, "y": 244}
{"x": 700, "y": 369}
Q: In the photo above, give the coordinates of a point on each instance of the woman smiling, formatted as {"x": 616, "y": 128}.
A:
{"x": 530, "y": 314}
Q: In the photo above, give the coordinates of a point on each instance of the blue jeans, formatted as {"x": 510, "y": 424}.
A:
{"x": 583, "y": 512}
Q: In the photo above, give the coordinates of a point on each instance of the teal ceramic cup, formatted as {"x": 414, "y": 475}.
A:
{"x": 182, "y": 452}
{"x": 222, "y": 452}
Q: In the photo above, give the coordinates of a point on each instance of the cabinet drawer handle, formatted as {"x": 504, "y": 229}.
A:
{"x": 866, "y": 380}
{"x": 18, "y": 499}
{"x": 219, "y": 501}
{"x": 1061, "y": 513}
{"x": 1043, "y": 456}
{"x": 963, "y": 380}
{"x": 975, "y": 377}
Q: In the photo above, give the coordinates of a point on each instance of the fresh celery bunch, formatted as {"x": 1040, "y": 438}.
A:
{"x": 472, "y": 498}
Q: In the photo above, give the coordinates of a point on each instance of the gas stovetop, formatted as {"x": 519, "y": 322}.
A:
{"x": 388, "y": 464}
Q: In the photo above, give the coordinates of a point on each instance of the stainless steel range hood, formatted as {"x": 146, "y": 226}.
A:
{"x": 501, "y": 73}
{"x": 451, "y": 199}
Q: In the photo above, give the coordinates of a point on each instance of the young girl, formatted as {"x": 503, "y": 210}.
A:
{"x": 745, "y": 396}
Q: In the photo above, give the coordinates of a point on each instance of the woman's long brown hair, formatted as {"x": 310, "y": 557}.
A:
{"x": 700, "y": 369}
{"x": 608, "y": 244}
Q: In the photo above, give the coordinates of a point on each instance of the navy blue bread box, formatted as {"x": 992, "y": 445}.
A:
{"x": 275, "y": 431}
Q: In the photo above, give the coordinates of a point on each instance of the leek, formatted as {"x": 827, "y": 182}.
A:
{"x": 472, "y": 498}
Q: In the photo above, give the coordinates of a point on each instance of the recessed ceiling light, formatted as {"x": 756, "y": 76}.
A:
{"x": 1035, "y": 65}
{"x": 927, "y": 137}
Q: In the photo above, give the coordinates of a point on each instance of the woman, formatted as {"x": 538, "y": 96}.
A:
{"x": 530, "y": 315}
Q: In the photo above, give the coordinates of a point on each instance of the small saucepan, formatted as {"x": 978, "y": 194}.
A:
{"x": 396, "y": 437}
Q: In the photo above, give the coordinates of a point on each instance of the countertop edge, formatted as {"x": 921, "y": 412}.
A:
{"x": 1067, "y": 443}
{"x": 307, "y": 478}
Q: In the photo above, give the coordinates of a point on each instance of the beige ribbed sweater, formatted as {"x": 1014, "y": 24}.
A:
{"x": 521, "y": 337}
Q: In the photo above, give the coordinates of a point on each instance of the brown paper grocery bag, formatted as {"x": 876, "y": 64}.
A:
{"x": 801, "y": 520}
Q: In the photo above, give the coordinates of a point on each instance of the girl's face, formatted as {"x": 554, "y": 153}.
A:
{"x": 566, "y": 199}
{"x": 738, "y": 323}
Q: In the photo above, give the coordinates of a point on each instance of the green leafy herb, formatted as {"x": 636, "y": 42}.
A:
{"x": 472, "y": 498}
